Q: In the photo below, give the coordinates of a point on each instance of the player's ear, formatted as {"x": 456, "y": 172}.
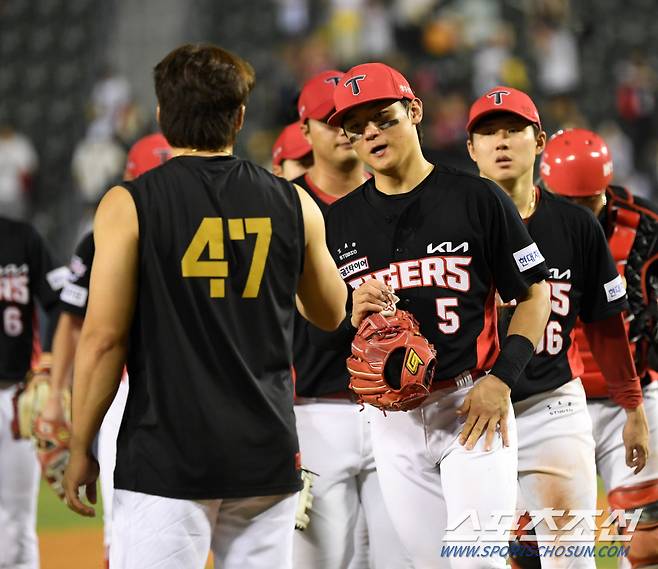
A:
{"x": 541, "y": 142}
{"x": 277, "y": 170}
{"x": 470, "y": 147}
{"x": 416, "y": 111}
{"x": 306, "y": 131}
{"x": 157, "y": 113}
{"x": 239, "y": 121}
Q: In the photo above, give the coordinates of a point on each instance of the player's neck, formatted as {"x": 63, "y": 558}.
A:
{"x": 522, "y": 192}
{"x": 405, "y": 176}
{"x": 180, "y": 151}
{"x": 336, "y": 181}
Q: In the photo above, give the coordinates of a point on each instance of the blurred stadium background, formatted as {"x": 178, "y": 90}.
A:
{"x": 76, "y": 89}
{"x": 75, "y": 77}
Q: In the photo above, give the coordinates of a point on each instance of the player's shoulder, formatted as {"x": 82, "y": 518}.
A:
{"x": 576, "y": 218}
{"x": 18, "y": 230}
{"x": 468, "y": 185}
{"x": 8, "y": 223}
{"x": 566, "y": 207}
{"x": 351, "y": 202}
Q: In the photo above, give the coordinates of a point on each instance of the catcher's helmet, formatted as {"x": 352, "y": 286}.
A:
{"x": 576, "y": 163}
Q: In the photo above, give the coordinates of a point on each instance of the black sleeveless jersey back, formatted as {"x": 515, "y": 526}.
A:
{"x": 210, "y": 405}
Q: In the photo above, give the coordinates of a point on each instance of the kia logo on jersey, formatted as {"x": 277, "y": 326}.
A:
{"x": 447, "y": 247}
{"x": 353, "y": 82}
{"x": 497, "y": 96}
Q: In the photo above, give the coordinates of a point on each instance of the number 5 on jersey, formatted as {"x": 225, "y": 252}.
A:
{"x": 211, "y": 233}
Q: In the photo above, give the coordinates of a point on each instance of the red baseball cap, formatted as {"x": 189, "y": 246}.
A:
{"x": 366, "y": 83}
{"x": 290, "y": 144}
{"x": 147, "y": 153}
{"x": 503, "y": 99}
{"x": 316, "y": 101}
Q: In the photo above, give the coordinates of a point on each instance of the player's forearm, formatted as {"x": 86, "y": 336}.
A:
{"x": 523, "y": 335}
{"x": 609, "y": 344}
{"x": 98, "y": 367}
{"x": 65, "y": 341}
{"x": 531, "y": 314}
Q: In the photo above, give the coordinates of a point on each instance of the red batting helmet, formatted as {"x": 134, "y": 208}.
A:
{"x": 576, "y": 163}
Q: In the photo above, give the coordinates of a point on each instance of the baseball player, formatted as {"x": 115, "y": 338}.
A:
{"x": 630, "y": 224}
{"x": 443, "y": 240}
{"x": 196, "y": 263}
{"x": 27, "y": 275}
{"x": 147, "y": 153}
{"x": 505, "y": 137}
{"x": 291, "y": 153}
{"x": 334, "y": 437}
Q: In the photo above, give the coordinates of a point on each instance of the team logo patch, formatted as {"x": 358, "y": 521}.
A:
{"x": 353, "y": 267}
{"x": 74, "y": 295}
{"x": 614, "y": 289}
{"x": 413, "y": 362}
{"x": 528, "y": 257}
{"x": 353, "y": 83}
{"x": 497, "y": 97}
{"x": 334, "y": 79}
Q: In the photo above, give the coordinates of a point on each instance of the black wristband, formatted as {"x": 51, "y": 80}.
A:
{"x": 513, "y": 358}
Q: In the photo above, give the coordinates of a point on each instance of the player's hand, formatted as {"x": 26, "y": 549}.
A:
{"x": 371, "y": 296}
{"x": 82, "y": 470}
{"x": 636, "y": 438}
{"x": 486, "y": 407}
{"x": 53, "y": 408}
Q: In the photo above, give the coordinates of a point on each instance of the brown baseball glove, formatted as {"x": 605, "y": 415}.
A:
{"x": 50, "y": 436}
{"x": 392, "y": 363}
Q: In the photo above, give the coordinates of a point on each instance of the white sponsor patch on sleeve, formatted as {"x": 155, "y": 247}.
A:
{"x": 75, "y": 295}
{"x": 57, "y": 278}
{"x": 614, "y": 289}
{"x": 528, "y": 257}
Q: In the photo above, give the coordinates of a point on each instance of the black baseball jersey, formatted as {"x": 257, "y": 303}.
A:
{"x": 318, "y": 371}
{"x": 26, "y": 274}
{"x": 75, "y": 293}
{"x": 584, "y": 283}
{"x": 210, "y": 408}
{"x": 445, "y": 247}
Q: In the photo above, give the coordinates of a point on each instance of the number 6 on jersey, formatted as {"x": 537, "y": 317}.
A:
{"x": 211, "y": 232}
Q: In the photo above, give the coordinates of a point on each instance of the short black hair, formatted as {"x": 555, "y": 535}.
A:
{"x": 200, "y": 89}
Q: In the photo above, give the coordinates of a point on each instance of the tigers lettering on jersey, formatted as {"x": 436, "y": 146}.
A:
{"x": 444, "y": 247}
{"x": 15, "y": 284}
{"x": 442, "y": 272}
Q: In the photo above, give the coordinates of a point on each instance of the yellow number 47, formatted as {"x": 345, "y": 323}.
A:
{"x": 211, "y": 233}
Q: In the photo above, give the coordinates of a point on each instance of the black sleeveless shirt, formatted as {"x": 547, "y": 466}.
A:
{"x": 210, "y": 408}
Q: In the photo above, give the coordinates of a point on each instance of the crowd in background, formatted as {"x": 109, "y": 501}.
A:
{"x": 582, "y": 69}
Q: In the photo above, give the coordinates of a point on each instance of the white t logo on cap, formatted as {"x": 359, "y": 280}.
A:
{"x": 353, "y": 82}
{"x": 497, "y": 96}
